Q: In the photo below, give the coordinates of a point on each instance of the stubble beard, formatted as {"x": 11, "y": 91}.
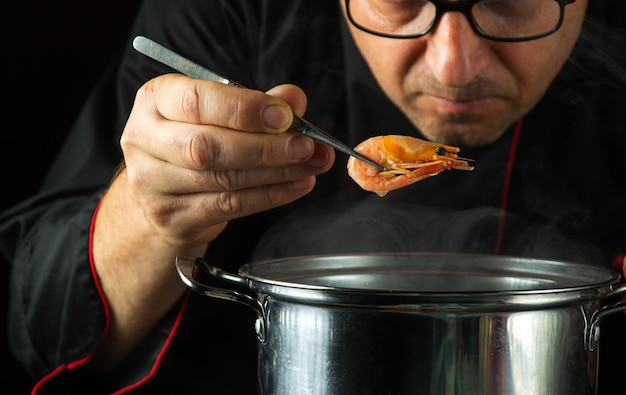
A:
{"x": 461, "y": 130}
{"x": 471, "y": 129}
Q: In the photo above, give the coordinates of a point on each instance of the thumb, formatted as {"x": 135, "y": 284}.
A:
{"x": 293, "y": 95}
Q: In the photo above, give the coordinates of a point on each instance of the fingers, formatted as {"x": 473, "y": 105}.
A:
{"x": 293, "y": 95}
{"x": 206, "y": 147}
{"x": 167, "y": 178}
{"x": 198, "y": 131}
{"x": 210, "y": 199}
{"x": 199, "y": 154}
{"x": 183, "y": 99}
{"x": 214, "y": 208}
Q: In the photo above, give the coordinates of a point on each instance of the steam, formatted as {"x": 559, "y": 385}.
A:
{"x": 368, "y": 227}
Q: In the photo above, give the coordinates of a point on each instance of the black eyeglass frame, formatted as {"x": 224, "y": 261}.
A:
{"x": 465, "y": 8}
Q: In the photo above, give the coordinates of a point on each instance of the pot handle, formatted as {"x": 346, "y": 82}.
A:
{"x": 594, "y": 327}
{"x": 189, "y": 268}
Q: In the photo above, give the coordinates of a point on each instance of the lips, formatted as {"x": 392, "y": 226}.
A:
{"x": 458, "y": 106}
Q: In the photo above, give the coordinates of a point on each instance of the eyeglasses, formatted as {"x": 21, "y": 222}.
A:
{"x": 498, "y": 20}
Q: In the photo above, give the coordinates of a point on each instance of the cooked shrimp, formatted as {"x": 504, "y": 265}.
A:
{"x": 406, "y": 159}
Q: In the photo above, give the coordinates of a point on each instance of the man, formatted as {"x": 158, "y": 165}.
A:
{"x": 214, "y": 170}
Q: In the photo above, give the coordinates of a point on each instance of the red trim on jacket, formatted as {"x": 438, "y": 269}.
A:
{"x": 505, "y": 188}
{"x": 107, "y": 311}
{"x": 619, "y": 262}
{"x": 94, "y": 275}
{"x": 163, "y": 350}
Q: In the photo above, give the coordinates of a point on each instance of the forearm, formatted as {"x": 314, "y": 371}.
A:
{"x": 135, "y": 267}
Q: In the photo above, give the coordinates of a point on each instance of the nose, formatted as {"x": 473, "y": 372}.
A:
{"x": 455, "y": 53}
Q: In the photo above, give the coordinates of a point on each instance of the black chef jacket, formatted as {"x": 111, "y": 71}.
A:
{"x": 553, "y": 186}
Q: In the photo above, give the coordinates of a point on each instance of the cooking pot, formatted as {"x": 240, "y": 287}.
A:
{"x": 420, "y": 323}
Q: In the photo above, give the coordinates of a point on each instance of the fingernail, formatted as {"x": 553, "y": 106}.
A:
{"x": 319, "y": 158}
{"x": 300, "y": 185}
{"x": 276, "y": 117}
{"x": 300, "y": 147}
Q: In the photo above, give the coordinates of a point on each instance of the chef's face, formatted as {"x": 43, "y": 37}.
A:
{"x": 460, "y": 88}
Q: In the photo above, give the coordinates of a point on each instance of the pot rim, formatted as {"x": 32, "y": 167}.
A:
{"x": 295, "y": 279}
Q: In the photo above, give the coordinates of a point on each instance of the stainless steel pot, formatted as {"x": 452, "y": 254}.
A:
{"x": 420, "y": 323}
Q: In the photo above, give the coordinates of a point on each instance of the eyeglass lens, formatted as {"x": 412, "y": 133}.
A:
{"x": 506, "y": 19}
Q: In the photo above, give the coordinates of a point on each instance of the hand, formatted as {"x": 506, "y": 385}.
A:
{"x": 197, "y": 154}
{"x": 200, "y": 153}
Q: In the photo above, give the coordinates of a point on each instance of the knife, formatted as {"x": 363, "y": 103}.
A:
{"x": 185, "y": 66}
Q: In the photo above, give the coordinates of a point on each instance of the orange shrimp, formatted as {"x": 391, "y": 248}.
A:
{"x": 406, "y": 159}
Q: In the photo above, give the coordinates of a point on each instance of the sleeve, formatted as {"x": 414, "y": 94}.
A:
{"x": 56, "y": 313}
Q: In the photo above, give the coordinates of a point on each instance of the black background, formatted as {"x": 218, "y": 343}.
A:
{"x": 52, "y": 57}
